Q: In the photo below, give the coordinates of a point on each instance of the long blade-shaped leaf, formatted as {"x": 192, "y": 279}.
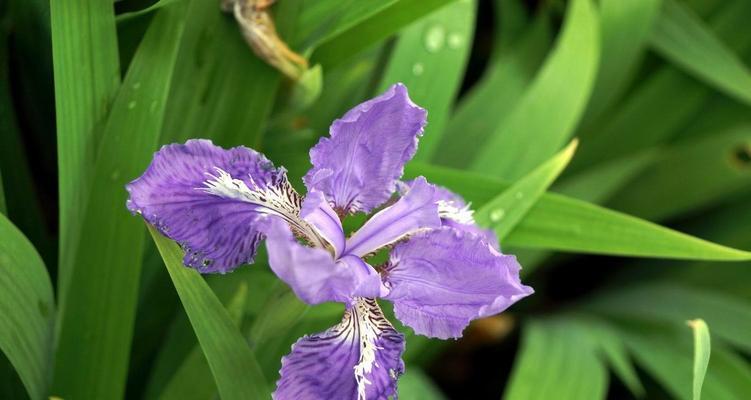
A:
{"x": 684, "y": 39}
{"x": 543, "y": 369}
{"x": 27, "y": 310}
{"x": 489, "y": 102}
{"x": 625, "y": 28}
{"x": 232, "y": 363}
{"x": 435, "y": 49}
{"x": 107, "y": 264}
{"x": 701, "y": 354}
{"x": 505, "y": 211}
{"x": 368, "y": 32}
{"x": 87, "y": 77}
{"x": 663, "y": 104}
{"x": 550, "y": 109}
{"x": 666, "y": 355}
{"x": 689, "y": 176}
{"x": 561, "y": 223}
{"x": 223, "y": 98}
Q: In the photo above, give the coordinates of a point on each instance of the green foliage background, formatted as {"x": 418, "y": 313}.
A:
{"x": 607, "y": 227}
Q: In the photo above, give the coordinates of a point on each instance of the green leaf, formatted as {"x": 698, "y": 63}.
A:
{"x": 614, "y": 351}
{"x": 235, "y": 369}
{"x": 87, "y": 77}
{"x": 191, "y": 380}
{"x": 666, "y": 355}
{"x": 684, "y": 39}
{"x": 512, "y": 23}
{"x": 107, "y": 265}
{"x": 434, "y": 49}
{"x": 281, "y": 310}
{"x": 598, "y": 184}
{"x": 730, "y": 317}
{"x": 543, "y": 367}
{"x": 660, "y": 106}
{"x": 380, "y": 26}
{"x": 227, "y": 99}
{"x": 322, "y": 20}
{"x": 415, "y": 385}
{"x": 179, "y": 342}
{"x": 560, "y": 223}
{"x": 702, "y": 348}
{"x": 144, "y": 11}
{"x": 625, "y": 28}
{"x": 550, "y": 109}
{"x": 505, "y": 211}
{"x": 689, "y": 176}
{"x": 27, "y": 307}
{"x": 486, "y": 105}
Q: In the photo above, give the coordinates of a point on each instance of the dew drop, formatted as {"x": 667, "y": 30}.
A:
{"x": 115, "y": 175}
{"x": 434, "y": 38}
{"x": 455, "y": 40}
{"x": 153, "y": 106}
{"x": 519, "y": 195}
{"x": 497, "y": 215}
{"x": 131, "y": 105}
{"x": 136, "y": 86}
{"x": 418, "y": 69}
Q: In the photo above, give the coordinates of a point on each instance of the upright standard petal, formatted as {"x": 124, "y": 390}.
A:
{"x": 210, "y": 199}
{"x": 312, "y": 273}
{"x": 442, "y": 279}
{"x": 357, "y": 168}
{"x": 358, "y": 359}
{"x": 415, "y": 211}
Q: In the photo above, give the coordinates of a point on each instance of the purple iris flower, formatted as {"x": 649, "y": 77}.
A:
{"x": 442, "y": 271}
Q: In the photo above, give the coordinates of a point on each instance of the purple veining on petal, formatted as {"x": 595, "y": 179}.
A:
{"x": 217, "y": 233}
{"x": 358, "y": 166}
{"x": 415, "y": 211}
{"x": 455, "y": 212}
{"x": 360, "y": 358}
{"x": 311, "y": 272}
{"x": 318, "y": 213}
{"x": 442, "y": 279}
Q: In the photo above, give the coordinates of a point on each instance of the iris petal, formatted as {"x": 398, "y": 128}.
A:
{"x": 442, "y": 279}
{"x": 360, "y": 358}
{"x": 312, "y": 273}
{"x": 210, "y": 200}
{"x": 455, "y": 212}
{"x": 415, "y": 211}
{"x": 318, "y": 213}
{"x": 358, "y": 166}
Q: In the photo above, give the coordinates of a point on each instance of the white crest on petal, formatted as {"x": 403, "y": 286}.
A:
{"x": 449, "y": 210}
{"x": 366, "y": 318}
{"x": 277, "y": 198}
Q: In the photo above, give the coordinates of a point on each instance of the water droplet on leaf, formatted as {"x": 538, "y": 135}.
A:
{"x": 497, "y": 215}
{"x": 136, "y": 85}
{"x": 115, "y": 175}
{"x": 131, "y": 105}
{"x": 519, "y": 195}
{"x": 434, "y": 38}
{"x": 418, "y": 69}
{"x": 455, "y": 40}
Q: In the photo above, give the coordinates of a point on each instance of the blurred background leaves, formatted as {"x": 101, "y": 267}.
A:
{"x": 622, "y": 248}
